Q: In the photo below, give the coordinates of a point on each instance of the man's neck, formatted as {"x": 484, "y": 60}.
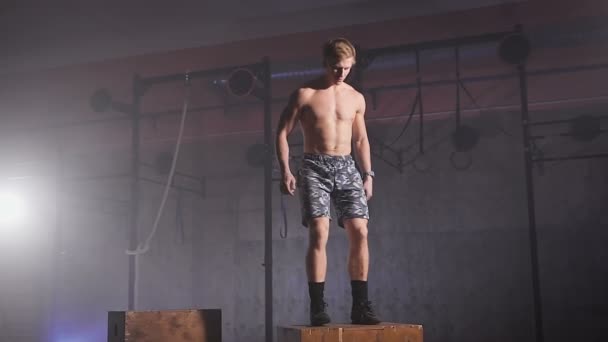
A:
{"x": 330, "y": 83}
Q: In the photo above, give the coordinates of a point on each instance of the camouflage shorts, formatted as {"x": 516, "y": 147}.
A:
{"x": 324, "y": 177}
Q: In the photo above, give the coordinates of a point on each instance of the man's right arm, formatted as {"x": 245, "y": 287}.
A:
{"x": 287, "y": 122}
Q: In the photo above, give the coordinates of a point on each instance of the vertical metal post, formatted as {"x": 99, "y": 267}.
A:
{"x": 58, "y": 248}
{"x": 268, "y": 142}
{"x": 134, "y": 198}
{"x": 421, "y": 106}
{"x": 457, "y": 57}
{"x": 525, "y": 120}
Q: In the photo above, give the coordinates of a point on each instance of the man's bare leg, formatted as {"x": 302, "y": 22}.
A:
{"x": 358, "y": 268}
{"x": 358, "y": 253}
{"x": 316, "y": 257}
{"x": 316, "y": 269}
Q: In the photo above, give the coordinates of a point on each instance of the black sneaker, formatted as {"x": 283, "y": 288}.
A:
{"x": 318, "y": 315}
{"x": 363, "y": 313}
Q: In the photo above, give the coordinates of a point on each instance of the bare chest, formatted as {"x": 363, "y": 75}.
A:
{"x": 331, "y": 106}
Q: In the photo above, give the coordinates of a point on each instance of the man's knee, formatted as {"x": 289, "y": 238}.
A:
{"x": 318, "y": 232}
{"x": 356, "y": 228}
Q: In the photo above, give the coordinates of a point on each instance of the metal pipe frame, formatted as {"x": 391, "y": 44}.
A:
{"x": 532, "y": 233}
{"x": 528, "y": 160}
{"x": 420, "y": 105}
{"x": 521, "y": 73}
{"x": 268, "y": 141}
{"x": 529, "y": 164}
{"x": 134, "y": 193}
{"x": 173, "y": 112}
{"x": 416, "y": 48}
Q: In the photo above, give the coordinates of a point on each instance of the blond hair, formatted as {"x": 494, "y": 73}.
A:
{"x": 337, "y": 49}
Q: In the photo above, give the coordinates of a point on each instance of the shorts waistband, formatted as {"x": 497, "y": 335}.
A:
{"x": 327, "y": 157}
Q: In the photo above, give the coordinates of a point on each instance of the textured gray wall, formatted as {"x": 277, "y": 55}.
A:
{"x": 449, "y": 248}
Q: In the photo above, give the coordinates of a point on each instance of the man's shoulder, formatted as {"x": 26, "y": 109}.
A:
{"x": 353, "y": 92}
{"x": 307, "y": 89}
{"x": 304, "y": 90}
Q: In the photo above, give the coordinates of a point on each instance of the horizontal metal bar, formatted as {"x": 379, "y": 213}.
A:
{"x": 587, "y": 156}
{"x": 563, "y": 121}
{"x": 382, "y": 145}
{"x": 148, "y": 81}
{"x": 443, "y": 82}
{"x": 496, "y": 77}
{"x": 74, "y": 195}
{"x": 176, "y": 187}
{"x": 172, "y": 112}
{"x": 95, "y": 177}
{"x": 181, "y": 174}
{"x": 445, "y": 43}
{"x": 124, "y": 175}
{"x": 551, "y": 71}
{"x": 564, "y": 134}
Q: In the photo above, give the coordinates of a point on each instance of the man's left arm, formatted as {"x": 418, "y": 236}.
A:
{"x": 361, "y": 147}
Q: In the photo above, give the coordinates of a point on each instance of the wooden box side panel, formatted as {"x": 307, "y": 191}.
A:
{"x": 402, "y": 333}
{"x": 175, "y": 326}
{"x": 387, "y": 332}
{"x": 362, "y": 335}
{"x": 308, "y": 334}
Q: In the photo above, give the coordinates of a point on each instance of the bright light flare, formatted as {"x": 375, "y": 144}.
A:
{"x": 12, "y": 208}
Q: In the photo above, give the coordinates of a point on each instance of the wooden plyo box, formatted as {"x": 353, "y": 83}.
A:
{"x": 384, "y": 332}
{"x": 165, "y": 326}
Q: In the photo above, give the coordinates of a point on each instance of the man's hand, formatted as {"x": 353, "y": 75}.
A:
{"x": 368, "y": 187}
{"x": 288, "y": 184}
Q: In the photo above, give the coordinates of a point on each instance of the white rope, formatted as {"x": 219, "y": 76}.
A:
{"x": 145, "y": 246}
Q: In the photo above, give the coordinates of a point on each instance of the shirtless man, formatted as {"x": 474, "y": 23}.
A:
{"x": 330, "y": 113}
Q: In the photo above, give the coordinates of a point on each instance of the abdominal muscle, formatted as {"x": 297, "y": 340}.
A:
{"x": 331, "y": 138}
